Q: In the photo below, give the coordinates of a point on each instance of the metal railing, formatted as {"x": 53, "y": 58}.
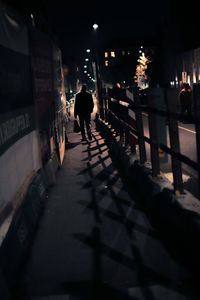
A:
{"x": 117, "y": 114}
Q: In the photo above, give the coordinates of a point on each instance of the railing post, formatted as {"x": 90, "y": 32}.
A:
{"x": 196, "y": 99}
{"x": 139, "y": 126}
{"x": 106, "y": 108}
{"x": 172, "y": 97}
{"x": 127, "y": 136}
{"x": 153, "y": 133}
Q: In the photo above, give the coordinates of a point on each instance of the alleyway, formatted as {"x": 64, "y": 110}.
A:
{"x": 93, "y": 240}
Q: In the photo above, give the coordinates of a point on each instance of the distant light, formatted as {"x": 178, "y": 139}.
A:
{"x": 85, "y": 71}
{"x": 112, "y": 54}
{"x": 87, "y": 59}
{"x": 140, "y": 51}
{"x": 141, "y": 47}
{"x": 88, "y": 74}
{"x": 85, "y": 66}
{"x": 32, "y": 16}
{"x": 106, "y": 54}
{"x": 194, "y": 77}
{"x": 188, "y": 79}
{"x": 88, "y": 50}
{"x": 95, "y": 26}
{"x": 118, "y": 85}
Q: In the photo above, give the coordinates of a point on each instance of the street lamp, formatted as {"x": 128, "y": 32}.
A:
{"x": 88, "y": 50}
{"x": 95, "y": 26}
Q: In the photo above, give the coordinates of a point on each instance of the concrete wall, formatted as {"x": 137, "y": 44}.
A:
{"x": 16, "y": 165}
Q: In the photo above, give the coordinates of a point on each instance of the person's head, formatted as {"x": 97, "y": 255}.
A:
{"x": 84, "y": 88}
{"x": 187, "y": 86}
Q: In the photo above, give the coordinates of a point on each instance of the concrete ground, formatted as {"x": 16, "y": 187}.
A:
{"x": 94, "y": 241}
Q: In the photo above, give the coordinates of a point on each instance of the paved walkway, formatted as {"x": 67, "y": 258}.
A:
{"x": 93, "y": 240}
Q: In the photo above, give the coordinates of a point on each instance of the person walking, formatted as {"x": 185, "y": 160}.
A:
{"x": 83, "y": 108}
{"x": 186, "y": 99}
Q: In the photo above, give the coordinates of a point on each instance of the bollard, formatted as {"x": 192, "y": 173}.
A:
{"x": 172, "y": 97}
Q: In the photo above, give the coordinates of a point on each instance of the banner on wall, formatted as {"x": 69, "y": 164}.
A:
{"x": 60, "y": 103}
{"x": 16, "y": 109}
{"x": 43, "y": 88}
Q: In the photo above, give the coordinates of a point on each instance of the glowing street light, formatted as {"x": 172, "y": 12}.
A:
{"x": 87, "y": 59}
{"x": 88, "y": 50}
{"x": 95, "y": 26}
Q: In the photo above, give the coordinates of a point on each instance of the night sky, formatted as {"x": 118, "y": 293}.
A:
{"x": 73, "y": 24}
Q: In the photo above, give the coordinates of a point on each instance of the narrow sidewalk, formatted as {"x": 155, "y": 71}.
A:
{"x": 93, "y": 241}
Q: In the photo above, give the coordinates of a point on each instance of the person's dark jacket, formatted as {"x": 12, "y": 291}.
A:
{"x": 83, "y": 104}
{"x": 186, "y": 96}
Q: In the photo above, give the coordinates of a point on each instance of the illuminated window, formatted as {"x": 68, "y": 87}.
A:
{"x": 112, "y": 53}
{"x": 106, "y": 54}
{"x": 106, "y": 63}
{"x": 184, "y": 76}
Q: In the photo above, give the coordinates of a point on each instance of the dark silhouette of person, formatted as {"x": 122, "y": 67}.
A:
{"x": 186, "y": 98}
{"x": 83, "y": 108}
